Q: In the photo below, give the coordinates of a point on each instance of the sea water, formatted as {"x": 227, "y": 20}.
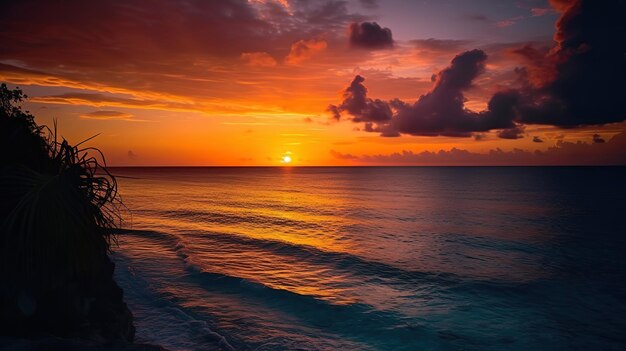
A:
{"x": 375, "y": 258}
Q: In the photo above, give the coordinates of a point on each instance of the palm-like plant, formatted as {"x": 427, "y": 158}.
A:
{"x": 59, "y": 223}
{"x": 57, "y": 207}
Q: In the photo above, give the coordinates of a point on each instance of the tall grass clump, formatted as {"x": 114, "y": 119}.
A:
{"x": 58, "y": 203}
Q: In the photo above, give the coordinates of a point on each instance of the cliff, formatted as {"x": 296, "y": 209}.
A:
{"x": 57, "y": 207}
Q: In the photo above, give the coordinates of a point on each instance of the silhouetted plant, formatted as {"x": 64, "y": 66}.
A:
{"x": 58, "y": 202}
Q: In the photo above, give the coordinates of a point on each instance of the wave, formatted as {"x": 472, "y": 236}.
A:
{"x": 340, "y": 318}
{"x": 343, "y": 261}
{"x": 339, "y": 260}
{"x": 233, "y": 218}
{"x": 138, "y": 291}
{"x": 355, "y": 320}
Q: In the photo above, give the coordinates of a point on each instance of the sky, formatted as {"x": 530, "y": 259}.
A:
{"x": 359, "y": 82}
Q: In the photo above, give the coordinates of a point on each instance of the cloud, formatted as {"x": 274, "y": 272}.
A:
{"x": 598, "y": 139}
{"x": 341, "y": 156}
{"x": 369, "y": 4}
{"x": 164, "y": 103}
{"x": 362, "y": 108}
{"x": 537, "y": 70}
{"x": 479, "y": 136}
{"x": 537, "y": 139}
{"x": 108, "y": 115}
{"x": 370, "y": 35}
{"x": 563, "y": 153}
{"x": 303, "y": 50}
{"x": 65, "y": 29}
{"x": 332, "y": 14}
{"x": 261, "y": 59}
{"x": 516, "y": 132}
{"x": 131, "y": 155}
{"x": 579, "y": 82}
{"x": 476, "y": 17}
{"x": 125, "y": 33}
{"x": 441, "y": 111}
{"x": 583, "y": 74}
{"x": 189, "y": 51}
{"x": 98, "y": 100}
{"x": 541, "y": 11}
{"x": 508, "y": 22}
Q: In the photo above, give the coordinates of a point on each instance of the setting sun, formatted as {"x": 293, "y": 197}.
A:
{"x": 286, "y": 159}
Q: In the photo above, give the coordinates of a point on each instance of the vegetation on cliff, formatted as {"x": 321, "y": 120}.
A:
{"x": 57, "y": 207}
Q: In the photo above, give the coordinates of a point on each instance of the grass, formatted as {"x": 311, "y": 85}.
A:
{"x": 58, "y": 202}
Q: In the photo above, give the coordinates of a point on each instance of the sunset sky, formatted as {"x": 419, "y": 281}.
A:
{"x": 366, "y": 82}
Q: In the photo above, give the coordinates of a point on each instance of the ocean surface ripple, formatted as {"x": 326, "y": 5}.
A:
{"x": 377, "y": 258}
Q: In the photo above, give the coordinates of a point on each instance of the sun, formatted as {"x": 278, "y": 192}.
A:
{"x": 286, "y": 159}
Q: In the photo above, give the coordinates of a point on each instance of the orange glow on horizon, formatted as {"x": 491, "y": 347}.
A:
{"x": 243, "y": 89}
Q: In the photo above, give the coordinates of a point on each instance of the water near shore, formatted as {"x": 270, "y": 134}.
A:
{"x": 376, "y": 258}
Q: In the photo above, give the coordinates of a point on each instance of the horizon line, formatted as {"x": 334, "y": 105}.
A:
{"x": 364, "y": 166}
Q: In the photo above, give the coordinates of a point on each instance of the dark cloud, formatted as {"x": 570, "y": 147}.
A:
{"x": 362, "y": 108}
{"x": 439, "y": 112}
{"x": 516, "y": 132}
{"x": 583, "y": 75}
{"x": 598, "y": 139}
{"x": 577, "y": 83}
{"x": 442, "y": 110}
{"x": 370, "y": 35}
{"x": 563, "y": 153}
{"x": 479, "y": 136}
{"x": 537, "y": 139}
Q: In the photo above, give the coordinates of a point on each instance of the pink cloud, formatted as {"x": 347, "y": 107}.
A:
{"x": 612, "y": 152}
{"x": 508, "y": 22}
{"x": 541, "y": 11}
{"x": 303, "y": 50}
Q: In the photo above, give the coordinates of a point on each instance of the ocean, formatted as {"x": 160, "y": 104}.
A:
{"x": 375, "y": 258}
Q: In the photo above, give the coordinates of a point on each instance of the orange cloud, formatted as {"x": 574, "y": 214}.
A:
{"x": 237, "y": 108}
{"x": 238, "y": 62}
{"x": 99, "y": 100}
{"x": 109, "y": 115}
{"x": 303, "y": 50}
{"x": 261, "y": 59}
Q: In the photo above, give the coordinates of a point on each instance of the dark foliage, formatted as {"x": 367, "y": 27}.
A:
{"x": 57, "y": 207}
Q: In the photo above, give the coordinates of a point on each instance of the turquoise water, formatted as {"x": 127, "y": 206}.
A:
{"x": 378, "y": 258}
